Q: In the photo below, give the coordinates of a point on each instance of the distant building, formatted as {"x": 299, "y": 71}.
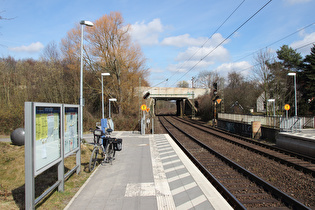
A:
{"x": 261, "y": 103}
{"x": 236, "y": 108}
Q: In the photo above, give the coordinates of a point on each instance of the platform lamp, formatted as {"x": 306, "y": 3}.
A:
{"x": 294, "y": 74}
{"x": 90, "y": 24}
{"x": 103, "y": 74}
{"x": 111, "y": 99}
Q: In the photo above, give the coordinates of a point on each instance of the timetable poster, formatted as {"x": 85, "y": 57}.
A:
{"x": 47, "y": 131}
{"x": 71, "y": 129}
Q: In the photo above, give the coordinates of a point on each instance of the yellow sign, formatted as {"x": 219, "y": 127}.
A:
{"x": 219, "y": 100}
{"x": 143, "y": 107}
{"x": 287, "y": 107}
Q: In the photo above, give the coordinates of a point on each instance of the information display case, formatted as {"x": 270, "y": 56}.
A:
{"x": 47, "y": 139}
{"x": 52, "y": 132}
{"x": 71, "y": 132}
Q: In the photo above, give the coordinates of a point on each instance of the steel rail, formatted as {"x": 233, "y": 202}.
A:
{"x": 286, "y": 199}
{"x": 290, "y": 153}
{"x": 270, "y": 156}
{"x": 231, "y": 199}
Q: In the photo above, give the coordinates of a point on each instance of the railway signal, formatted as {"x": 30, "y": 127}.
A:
{"x": 215, "y": 91}
{"x": 215, "y": 88}
{"x": 146, "y": 95}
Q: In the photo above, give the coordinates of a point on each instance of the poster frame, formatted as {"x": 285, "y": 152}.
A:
{"x": 53, "y": 162}
{"x": 74, "y": 150}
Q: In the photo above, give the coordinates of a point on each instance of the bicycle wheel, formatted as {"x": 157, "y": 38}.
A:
{"x": 93, "y": 159}
{"x": 109, "y": 153}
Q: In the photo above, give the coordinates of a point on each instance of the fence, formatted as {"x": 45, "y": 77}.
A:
{"x": 280, "y": 122}
{"x": 291, "y": 124}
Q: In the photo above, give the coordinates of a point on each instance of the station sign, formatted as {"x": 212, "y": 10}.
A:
{"x": 287, "y": 107}
{"x": 143, "y": 107}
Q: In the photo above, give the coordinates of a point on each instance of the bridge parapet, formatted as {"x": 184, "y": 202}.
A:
{"x": 168, "y": 93}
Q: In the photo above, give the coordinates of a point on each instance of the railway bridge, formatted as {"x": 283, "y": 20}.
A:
{"x": 184, "y": 97}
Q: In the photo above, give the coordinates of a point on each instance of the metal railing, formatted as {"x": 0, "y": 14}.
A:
{"x": 292, "y": 124}
{"x": 283, "y": 123}
{"x": 248, "y": 119}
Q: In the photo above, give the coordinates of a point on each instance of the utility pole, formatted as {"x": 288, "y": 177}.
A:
{"x": 139, "y": 98}
{"x": 214, "y": 99}
{"x": 222, "y": 95}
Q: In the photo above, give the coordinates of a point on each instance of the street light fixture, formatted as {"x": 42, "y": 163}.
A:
{"x": 90, "y": 24}
{"x": 294, "y": 74}
{"x": 111, "y": 99}
{"x": 87, "y": 23}
{"x": 103, "y": 74}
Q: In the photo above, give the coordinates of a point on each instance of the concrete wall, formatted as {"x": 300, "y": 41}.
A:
{"x": 244, "y": 129}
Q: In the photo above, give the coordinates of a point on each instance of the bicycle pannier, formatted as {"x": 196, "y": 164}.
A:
{"x": 118, "y": 144}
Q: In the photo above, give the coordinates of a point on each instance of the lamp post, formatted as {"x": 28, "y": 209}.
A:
{"x": 111, "y": 99}
{"x": 294, "y": 74}
{"x": 103, "y": 74}
{"x": 83, "y": 23}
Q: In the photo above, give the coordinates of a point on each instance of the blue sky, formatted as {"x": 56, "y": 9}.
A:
{"x": 169, "y": 32}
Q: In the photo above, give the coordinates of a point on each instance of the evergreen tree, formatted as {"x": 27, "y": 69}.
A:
{"x": 290, "y": 61}
{"x": 308, "y": 81}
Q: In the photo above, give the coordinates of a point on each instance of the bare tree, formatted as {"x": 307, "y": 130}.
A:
{"x": 108, "y": 48}
{"x": 240, "y": 91}
{"x": 183, "y": 84}
{"x": 262, "y": 73}
{"x": 51, "y": 52}
{"x": 206, "y": 79}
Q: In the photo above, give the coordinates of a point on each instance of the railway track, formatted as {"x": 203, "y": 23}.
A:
{"x": 240, "y": 179}
{"x": 298, "y": 161}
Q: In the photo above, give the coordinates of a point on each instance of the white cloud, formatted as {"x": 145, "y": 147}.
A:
{"x": 176, "y": 67}
{"x": 186, "y": 40}
{"x": 307, "y": 40}
{"x": 296, "y": 1}
{"x": 242, "y": 67}
{"x": 237, "y": 34}
{"x": 147, "y": 34}
{"x": 218, "y": 54}
{"x": 32, "y": 48}
{"x": 187, "y": 65}
{"x": 195, "y": 56}
{"x": 183, "y": 40}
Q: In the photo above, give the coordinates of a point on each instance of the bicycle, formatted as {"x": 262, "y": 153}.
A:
{"x": 105, "y": 148}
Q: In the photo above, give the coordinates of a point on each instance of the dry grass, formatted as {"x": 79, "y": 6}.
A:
{"x": 12, "y": 179}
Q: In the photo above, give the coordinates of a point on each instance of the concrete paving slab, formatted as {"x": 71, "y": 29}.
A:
{"x": 151, "y": 172}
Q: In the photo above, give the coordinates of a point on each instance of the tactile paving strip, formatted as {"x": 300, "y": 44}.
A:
{"x": 185, "y": 191}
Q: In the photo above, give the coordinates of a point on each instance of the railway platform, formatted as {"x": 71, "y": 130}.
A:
{"x": 151, "y": 172}
{"x": 302, "y": 142}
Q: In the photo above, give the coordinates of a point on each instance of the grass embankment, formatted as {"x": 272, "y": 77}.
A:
{"x": 12, "y": 179}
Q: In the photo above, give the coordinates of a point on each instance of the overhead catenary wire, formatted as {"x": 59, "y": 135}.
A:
{"x": 275, "y": 42}
{"x": 207, "y": 40}
{"x": 259, "y": 63}
{"x": 225, "y": 39}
